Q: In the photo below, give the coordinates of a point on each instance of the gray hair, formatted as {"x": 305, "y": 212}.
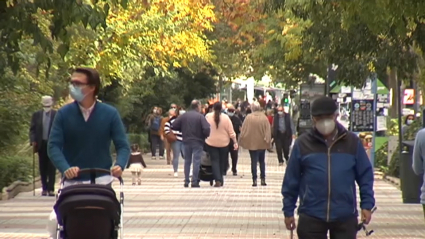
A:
{"x": 255, "y": 106}
{"x": 195, "y": 104}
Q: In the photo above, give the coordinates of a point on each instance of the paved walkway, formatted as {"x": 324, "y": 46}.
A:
{"x": 162, "y": 208}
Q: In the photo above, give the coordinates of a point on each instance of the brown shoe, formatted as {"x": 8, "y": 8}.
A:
{"x": 52, "y": 194}
{"x": 218, "y": 184}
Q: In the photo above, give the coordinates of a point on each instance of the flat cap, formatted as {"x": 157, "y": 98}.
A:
{"x": 323, "y": 106}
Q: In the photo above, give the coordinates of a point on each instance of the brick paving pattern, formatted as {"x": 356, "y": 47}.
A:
{"x": 162, "y": 208}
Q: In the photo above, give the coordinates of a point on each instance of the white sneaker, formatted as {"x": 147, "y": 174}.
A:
{"x": 176, "y": 174}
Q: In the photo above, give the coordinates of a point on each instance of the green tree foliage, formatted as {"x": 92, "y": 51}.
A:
{"x": 136, "y": 48}
{"x": 362, "y": 37}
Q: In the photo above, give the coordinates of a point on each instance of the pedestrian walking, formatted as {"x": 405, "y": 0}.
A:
{"x": 167, "y": 144}
{"x": 325, "y": 165}
{"x": 237, "y": 125}
{"x": 218, "y": 142}
{"x": 256, "y": 136}
{"x": 175, "y": 138}
{"x": 136, "y": 164}
{"x": 418, "y": 161}
{"x": 41, "y": 124}
{"x": 82, "y": 133}
{"x": 148, "y": 122}
{"x": 155, "y": 134}
{"x": 195, "y": 129}
{"x": 283, "y": 134}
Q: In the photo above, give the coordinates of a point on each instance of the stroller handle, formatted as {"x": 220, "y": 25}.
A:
{"x": 93, "y": 173}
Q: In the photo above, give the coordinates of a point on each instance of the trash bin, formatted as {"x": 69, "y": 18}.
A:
{"x": 410, "y": 183}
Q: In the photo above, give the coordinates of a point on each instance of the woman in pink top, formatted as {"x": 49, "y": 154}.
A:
{"x": 218, "y": 142}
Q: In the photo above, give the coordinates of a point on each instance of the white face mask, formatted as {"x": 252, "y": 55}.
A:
{"x": 280, "y": 113}
{"x": 325, "y": 126}
{"x": 409, "y": 122}
{"x": 230, "y": 113}
{"x": 182, "y": 112}
{"x": 47, "y": 109}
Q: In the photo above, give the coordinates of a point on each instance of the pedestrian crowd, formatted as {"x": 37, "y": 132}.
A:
{"x": 323, "y": 165}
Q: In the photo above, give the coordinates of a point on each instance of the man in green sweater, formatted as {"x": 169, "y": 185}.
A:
{"x": 82, "y": 131}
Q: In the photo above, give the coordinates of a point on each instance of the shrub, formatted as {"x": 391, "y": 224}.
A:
{"x": 15, "y": 168}
{"x": 141, "y": 140}
{"x": 392, "y": 126}
{"x": 381, "y": 158}
{"x": 394, "y": 167}
{"x": 410, "y": 134}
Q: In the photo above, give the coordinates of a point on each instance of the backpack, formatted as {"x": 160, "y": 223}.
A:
{"x": 156, "y": 123}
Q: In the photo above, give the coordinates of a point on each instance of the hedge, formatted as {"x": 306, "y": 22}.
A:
{"x": 15, "y": 168}
{"x": 20, "y": 167}
{"x": 141, "y": 140}
{"x": 381, "y": 154}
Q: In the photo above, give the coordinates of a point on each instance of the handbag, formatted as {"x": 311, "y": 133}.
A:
{"x": 171, "y": 137}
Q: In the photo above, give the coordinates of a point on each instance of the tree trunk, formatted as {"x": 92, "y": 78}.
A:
{"x": 220, "y": 87}
{"x": 392, "y": 83}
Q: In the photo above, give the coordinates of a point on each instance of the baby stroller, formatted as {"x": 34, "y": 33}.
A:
{"x": 89, "y": 211}
{"x": 205, "y": 172}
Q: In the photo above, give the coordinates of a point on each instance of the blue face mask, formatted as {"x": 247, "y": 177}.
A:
{"x": 76, "y": 93}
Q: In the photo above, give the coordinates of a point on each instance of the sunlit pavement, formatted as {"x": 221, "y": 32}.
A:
{"x": 162, "y": 208}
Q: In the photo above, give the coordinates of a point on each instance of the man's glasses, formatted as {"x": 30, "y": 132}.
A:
{"x": 78, "y": 83}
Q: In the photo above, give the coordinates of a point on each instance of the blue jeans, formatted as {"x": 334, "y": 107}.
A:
{"x": 219, "y": 161}
{"x": 177, "y": 148}
{"x": 192, "y": 152}
{"x": 258, "y": 156}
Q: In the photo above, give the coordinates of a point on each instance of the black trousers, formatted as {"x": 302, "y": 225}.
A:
{"x": 283, "y": 142}
{"x": 219, "y": 161}
{"x": 157, "y": 142}
{"x": 233, "y": 155}
{"x": 314, "y": 228}
{"x": 46, "y": 167}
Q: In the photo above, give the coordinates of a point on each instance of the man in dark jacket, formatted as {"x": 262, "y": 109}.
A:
{"x": 325, "y": 165}
{"x": 195, "y": 129}
{"x": 237, "y": 125}
{"x": 41, "y": 123}
{"x": 283, "y": 133}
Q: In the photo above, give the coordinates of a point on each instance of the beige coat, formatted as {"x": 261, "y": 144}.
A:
{"x": 255, "y": 133}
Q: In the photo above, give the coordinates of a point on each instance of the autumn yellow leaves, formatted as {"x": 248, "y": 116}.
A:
{"x": 165, "y": 32}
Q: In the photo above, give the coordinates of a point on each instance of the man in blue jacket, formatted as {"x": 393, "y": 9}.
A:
{"x": 195, "y": 129}
{"x": 323, "y": 169}
{"x": 82, "y": 131}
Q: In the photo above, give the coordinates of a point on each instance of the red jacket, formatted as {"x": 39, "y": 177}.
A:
{"x": 270, "y": 119}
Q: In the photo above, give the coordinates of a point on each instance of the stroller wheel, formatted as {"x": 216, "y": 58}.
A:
{"x": 211, "y": 183}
